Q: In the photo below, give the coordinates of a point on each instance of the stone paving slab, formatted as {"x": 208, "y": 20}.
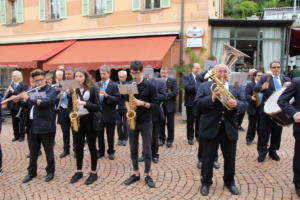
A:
{"x": 176, "y": 174}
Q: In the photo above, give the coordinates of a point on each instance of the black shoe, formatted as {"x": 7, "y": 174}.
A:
{"x": 298, "y": 191}
{"x": 248, "y": 142}
{"x": 199, "y": 165}
{"x": 216, "y": 164}
{"x": 141, "y": 159}
{"x": 274, "y": 156}
{"x": 120, "y": 142}
{"x": 133, "y": 178}
{"x": 150, "y": 181}
{"x": 169, "y": 144}
{"x": 64, "y": 154}
{"x": 111, "y": 156}
{"x": 124, "y": 142}
{"x": 21, "y": 139}
{"x": 76, "y": 177}
{"x": 191, "y": 142}
{"x": 204, "y": 190}
{"x": 241, "y": 129}
{"x": 155, "y": 159}
{"x": 91, "y": 179}
{"x": 14, "y": 139}
{"x": 28, "y": 178}
{"x": 261, "y": 158}
{"x": 233, "y": 189}
{"x": 49, "y": 177}
{"x": 160, "y": 143}
{"x": 100, "y": 155}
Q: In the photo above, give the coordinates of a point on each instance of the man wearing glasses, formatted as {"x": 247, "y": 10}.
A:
{"x": 267, "y": 86}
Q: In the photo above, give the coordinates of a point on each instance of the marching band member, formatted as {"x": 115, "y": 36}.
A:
{"x": 145, "y": 100}
{"x": 41, "y": 125}
{"x": 218, "y": 127}
{"x": 17, "y": 114}
{"x": 267, "y": 126}
{"x": 293, "y": 111}
{"x": 87, "y": 103}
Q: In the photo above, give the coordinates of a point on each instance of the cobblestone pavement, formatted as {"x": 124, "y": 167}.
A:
{"x": 176, "y": 174}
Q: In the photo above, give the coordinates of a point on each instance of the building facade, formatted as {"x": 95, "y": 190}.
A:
{"x": 71, "y": 32}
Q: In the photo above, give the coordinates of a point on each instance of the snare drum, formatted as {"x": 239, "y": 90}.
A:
{"x": 272, "y": 109}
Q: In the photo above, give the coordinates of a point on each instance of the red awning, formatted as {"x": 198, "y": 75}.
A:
{"x": 116, "y": 53}
{"x": 27, "y": 55}
{"x": 295, "y": 42}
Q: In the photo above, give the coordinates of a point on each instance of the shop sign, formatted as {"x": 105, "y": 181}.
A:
{"x": 195, "y": 32}
{"x": 194, "y": 42}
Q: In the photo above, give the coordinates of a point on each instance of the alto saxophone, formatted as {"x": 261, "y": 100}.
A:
{"x": 131, "y": 114}
{"x": 74, "y": 115}
{"x": 257, "y": 99}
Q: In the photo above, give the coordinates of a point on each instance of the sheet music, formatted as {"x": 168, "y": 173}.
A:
{"x": 67, "y": 84}
{"x": 240, "y": 77}
{"x": 128, "y": 88}
{"x": 37, "y": 95}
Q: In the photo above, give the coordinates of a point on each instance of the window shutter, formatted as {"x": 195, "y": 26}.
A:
{"x": 3, "y": 11}
{"x": 85, "y": 7}
{"x": 20, "y": 11}
{"x": 136, "y": 5}
{"x": 165, "y": 3}
{"x": 42, "y": 10}
{"x": 109, "y": 6}
{"x": 63, "y": 9}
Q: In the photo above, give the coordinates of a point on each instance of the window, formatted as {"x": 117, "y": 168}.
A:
{"x": 12, "y": 11}
{"x": 53, "y": 9}
{"x": 97, "y": 7}
{"x": 152, "y": 4}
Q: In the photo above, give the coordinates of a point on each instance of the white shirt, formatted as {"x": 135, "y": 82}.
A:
{"x": 86, "y": 96}
{"x": 194, "y": 77}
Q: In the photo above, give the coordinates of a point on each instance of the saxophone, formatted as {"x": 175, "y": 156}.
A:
{"x": 257, "y": 100}
{"x": 131, "y": 114}
{"x": 74, "y": 115}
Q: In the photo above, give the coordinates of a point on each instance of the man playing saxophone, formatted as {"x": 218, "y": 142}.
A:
{"x": 144, "y": 101}
{"x": 218, "y": 126}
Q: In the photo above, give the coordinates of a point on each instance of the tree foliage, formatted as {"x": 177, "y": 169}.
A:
{"x": 245, "y": 8}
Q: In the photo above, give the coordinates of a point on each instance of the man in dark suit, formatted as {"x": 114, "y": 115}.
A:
{"x": 63, "y": 115}
{"x": 293, "y": 111}
{"x": 218, "y": 127}
{"x": 41, "y": 125}
{"x": 267, "y": 85}
{"x": 190, "y": 87}
{"x": 121, "y": 112}
{"x": 18, "y": 114}
{"x": 109, "y": 98}
{"x": 254, "y": 103}
{"x": 169, "y": 107}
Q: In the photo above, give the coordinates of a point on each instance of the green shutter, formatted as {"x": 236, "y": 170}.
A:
{"x": 42, "y": 10}
{"x": 63, "y": 9}
{"x": 20, "y": 11}
{"x": 136, "y": 5}
{"x": 109, "y": 6}
{"x": 3, "y": 11}
{"x": 85, "y": 7}
{"x": 165, "y": 3}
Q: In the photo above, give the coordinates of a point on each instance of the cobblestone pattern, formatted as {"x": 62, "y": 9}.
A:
{"x": 176, "y": 174}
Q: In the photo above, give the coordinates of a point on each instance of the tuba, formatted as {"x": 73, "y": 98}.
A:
{"x": 131, "y": 114}
{"x": 230, "y": 56}
{"x": 74, "y": 115}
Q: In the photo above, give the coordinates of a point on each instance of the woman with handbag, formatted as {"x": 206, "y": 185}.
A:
{"x": 88, "y": 105}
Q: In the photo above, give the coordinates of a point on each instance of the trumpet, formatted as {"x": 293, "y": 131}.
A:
{"x": 17, "y": 96}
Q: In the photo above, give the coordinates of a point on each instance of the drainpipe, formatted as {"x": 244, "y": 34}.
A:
{"x": 181, "y": 52}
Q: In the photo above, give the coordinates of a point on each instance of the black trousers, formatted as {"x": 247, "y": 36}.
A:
{"x": 268, "y": 128}
{"x": 110, "y": 134}
{"x": 85, "y": 130}
{"x": 155, "y": 133}
{"x": 35, "y": 141}
{"x": 19, "y": 126}
{"x": 296, "y": 160}
{"x": 240, "y": 118}
{"x": 169, "y": 120}
{"x": 200, "y": 150}
{"x": 65, "y": 126}
{"x": 122, "y": 124}
{"x": 0, "y": 151}
{"x": 210, "y": 148}
{"x": 146, "y": 132}
{"x": 253, "y": 126}
{"x": 192, "y": 123}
